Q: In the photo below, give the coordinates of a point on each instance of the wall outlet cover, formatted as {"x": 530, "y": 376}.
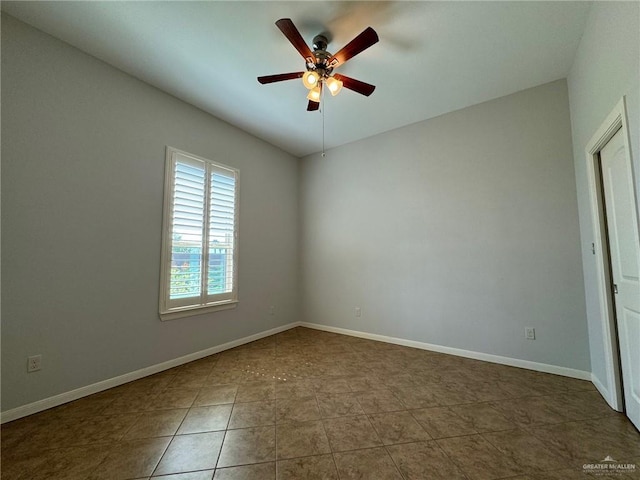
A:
{"x": 529, "y": 333}
{"x": 34, "y": 363}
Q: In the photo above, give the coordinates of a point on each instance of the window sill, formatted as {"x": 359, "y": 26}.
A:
{"x": 199, "y": 310}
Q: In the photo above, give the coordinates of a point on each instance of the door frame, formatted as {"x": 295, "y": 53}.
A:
{"x": 616, "y": 120}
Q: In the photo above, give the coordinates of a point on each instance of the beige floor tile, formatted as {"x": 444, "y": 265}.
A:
{"x": 398, "y": 427}
{"x": 338, "y": 405}
{"x": 584, "y": 405}
{"x": 331, "y": 385}
{"x": 102, "y": 429}
{"x": 21, "y": 466}
{"x": 248, "y": 445}
{"x": 45, "y": 437}
{"x": 453, "y": 394}
{"x": 376, "y": 401}
{"x": 321, "y": 467}
{"x": 572, "y": 440}
{"x": 313, "y": 391}
{"x": 401, "y": 381}
{"x": 151, "y": 384}
{"x": 294, "y": 389}
{"x": 216, "y": 395}
{"x": 478, "y": 459}
{"x": 490, "y": 391}
{"x": 350, "y": 433}
{"x": 366, "y": 465}
{"x": 223, "y": 376}
{"x": 617, "y": 430}
{"x": 258, "y": 471}
{"x": 531, "y": 411}
{"x": 198, "y": 451}
{"x": 129, "y": 403}
{"x": 256, "y": 391}
{"x": 365, "y": 384}
{"x": 206, "y": 419}
{"x": 201, "y": 475}
{"x": 301, "y": 440}
{"x": 483, "y": 417}
{"x": 297, "y": 409}
{"x": 521, "y": 387}
{"x": 424, "y": 460}
{"x": 15, "y": 433}
{"x": 571, "y": 384}
{"x": 174, "y": 398}
{"x": 527, "y": 451}
{"x": 131, "y": 459}
{"x": 85, "y": 407}
{"x": 253, "y": 414}
{"x": 157, "y": 423}
{"x": 190, "y": 380}
{"x": 415, "y": 397}
{"x": 257, "y": 372}
{"x": 589, "y": 442}
{"x": 442, "y": 422}
{"x": 567, "y": 474}
{"x": 74, "y": 463}
{"x": 527, "y": 477}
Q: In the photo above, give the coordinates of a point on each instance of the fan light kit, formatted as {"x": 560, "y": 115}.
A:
{"x": 320, "y": 64}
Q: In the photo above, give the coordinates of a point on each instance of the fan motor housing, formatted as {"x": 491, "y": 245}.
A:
{"x": 320, "y": 42}
{"x": 321, "y": 55}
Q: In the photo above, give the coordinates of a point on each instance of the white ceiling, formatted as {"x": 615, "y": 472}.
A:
{"x": 432, "y": 58}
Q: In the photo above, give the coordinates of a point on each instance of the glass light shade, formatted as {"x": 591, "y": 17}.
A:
{"x": 314, "y": 94}
{"x": 310, "y": 79}
{"x": 334, "y": 85}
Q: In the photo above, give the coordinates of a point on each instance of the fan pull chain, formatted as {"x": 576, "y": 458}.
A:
{"x": 322, "y": 111}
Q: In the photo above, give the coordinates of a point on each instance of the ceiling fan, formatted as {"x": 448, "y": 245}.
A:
{"x": 320, "y": 63}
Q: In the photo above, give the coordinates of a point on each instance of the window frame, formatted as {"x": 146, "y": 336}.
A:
{"x": 166, "y": 310}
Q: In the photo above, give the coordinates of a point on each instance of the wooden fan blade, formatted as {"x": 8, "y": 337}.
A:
{"x": 362, "y": 88}
{"x": 290, "y": 31}
{"x": 280, "y": 77}
{"x": 363, "y": 41}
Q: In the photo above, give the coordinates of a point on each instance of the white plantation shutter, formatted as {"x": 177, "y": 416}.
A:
{"x": 199, "y": 268}
{"x": 187, "y": 224}
{"x": 222, "y": 200}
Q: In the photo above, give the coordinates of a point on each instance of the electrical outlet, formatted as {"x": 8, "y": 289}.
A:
{"x": 358, "y": 312}
{"x": 272, "y": 310}
{"x": 529, "y": 333}
{"x": 34, "y": 363}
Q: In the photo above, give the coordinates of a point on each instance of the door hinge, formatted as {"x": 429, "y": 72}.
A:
{"x": 593, "y": 248}
{"x": 615, "y": 288}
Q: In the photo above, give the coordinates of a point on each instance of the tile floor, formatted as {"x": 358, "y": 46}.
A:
{"x": 306, "y": 404}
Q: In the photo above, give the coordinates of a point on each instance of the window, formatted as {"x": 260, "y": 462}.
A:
{"x": 199, "y": 237}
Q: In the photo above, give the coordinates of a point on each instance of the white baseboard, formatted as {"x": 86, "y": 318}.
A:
{"x": 487, "y": 357}
{"x": 65, "y": 397}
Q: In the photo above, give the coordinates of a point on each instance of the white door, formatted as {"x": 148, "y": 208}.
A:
{"x": 624, "y": 245}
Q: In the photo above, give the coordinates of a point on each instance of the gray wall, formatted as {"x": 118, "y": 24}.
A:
{"x": 457, "y": 231}
{"x": 83, "y": 151}
{"x": 606, "y": 67}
